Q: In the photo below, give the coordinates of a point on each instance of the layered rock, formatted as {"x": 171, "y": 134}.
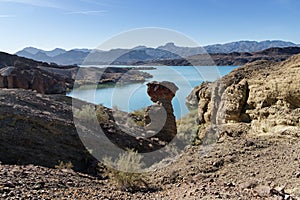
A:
{"x": 26, "y": 77}
{"x": 260, "y": 97}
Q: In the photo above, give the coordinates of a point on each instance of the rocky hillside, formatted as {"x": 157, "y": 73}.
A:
{"x": 261, "y": 97}
{"x": 19, "y": 72}
{"x": 38, "y": 129}
{"x": 230, "y": 59}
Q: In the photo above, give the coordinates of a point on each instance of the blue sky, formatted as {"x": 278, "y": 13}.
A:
{"x": 70, "y": 24}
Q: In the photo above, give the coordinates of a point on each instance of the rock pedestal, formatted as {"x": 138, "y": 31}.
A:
{"x": 159, "y": 118}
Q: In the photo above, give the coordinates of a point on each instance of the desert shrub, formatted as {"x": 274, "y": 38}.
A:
{"x": 86, "y": 114}
{"x": 138, "y": 116}
{"x": 124, "y": 170}
{"x": 139, "y": 113}
{"x": 62, "y": 165}
{"x": 187, "y": 127}
{"x": 102, "y": 116}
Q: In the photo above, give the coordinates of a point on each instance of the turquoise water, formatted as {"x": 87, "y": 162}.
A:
{"x": 134, "y": 96}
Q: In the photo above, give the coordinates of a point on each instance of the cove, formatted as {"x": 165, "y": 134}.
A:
{"x": 132, "y": 97}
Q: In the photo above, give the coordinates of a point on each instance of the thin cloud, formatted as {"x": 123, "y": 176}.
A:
{"x": 87, "y": 12}
{"x": 37, "y": 3}
{"x": 7, "y": 16}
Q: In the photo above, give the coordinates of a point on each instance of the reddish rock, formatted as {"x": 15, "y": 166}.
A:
{"x": 26, "y": 77}
{"x": 161, "y": 91}
{"x": 159, "y": 118}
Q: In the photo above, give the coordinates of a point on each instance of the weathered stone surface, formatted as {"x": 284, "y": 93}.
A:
{"x": 264, "y": 94}
{"x": 26, "y": 77}
{"x": 233, "y": 103}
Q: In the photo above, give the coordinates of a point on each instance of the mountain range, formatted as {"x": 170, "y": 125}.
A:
{"x": 143, "y": 53}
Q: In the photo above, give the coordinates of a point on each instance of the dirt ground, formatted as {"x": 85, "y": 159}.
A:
{"x": 245, "y": 167}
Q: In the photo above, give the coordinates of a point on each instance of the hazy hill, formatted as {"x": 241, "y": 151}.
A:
{"x": 143, "y": 53}
{"x": 247, "y": 46}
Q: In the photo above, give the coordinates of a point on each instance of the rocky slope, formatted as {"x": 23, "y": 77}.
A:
{"x": 261, "y": 97}
{"x": 38, "y": 129}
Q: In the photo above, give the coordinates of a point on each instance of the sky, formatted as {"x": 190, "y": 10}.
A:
{"x": 49, "y": 24}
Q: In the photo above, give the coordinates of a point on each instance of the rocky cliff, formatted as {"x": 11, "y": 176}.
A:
{"x": 32, "y": 78}
{"x": 259, "y": 98}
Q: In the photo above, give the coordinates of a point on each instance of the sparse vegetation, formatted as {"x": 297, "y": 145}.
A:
{"x": 138, "y": 116}
{"x": 86, "y": 114}
{"x": 62, "y": 165}
{"x": 102, "y": 116}
{"x": 187, "y": 127}
{"x": 125, "y": 170}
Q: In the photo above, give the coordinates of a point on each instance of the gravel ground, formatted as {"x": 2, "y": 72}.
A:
{"x": 248, "y": 167}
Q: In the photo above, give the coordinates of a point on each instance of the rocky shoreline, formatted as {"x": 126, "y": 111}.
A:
{"x": 18, "y": 72}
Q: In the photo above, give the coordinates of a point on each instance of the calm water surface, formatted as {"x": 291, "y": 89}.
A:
{"x": 134, "y": 96}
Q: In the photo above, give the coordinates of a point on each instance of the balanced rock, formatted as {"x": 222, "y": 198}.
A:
{"x": 159, "y": 118}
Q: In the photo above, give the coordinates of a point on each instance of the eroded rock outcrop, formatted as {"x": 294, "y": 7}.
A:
{"x": 159, "y": 118}
{"x": 260, "y": 97}
{"x": 26, "y": 77}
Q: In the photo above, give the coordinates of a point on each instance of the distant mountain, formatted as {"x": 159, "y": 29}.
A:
{"x": 143, "y": 53}
{"x": 34, "y": 52}
{"x": 274, "y": 54}
{"x": 247, "y": 46}
{"x": 182, "y": 51}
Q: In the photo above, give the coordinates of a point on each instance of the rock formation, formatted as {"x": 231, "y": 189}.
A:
{"x": 18, "y": 72}
{"x": 159, "y": 118}
{"x": 260, "y": 97}
{"x": 26, "y": 77}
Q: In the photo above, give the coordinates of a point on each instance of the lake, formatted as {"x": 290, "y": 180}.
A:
{"x": 134, "y": 96}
